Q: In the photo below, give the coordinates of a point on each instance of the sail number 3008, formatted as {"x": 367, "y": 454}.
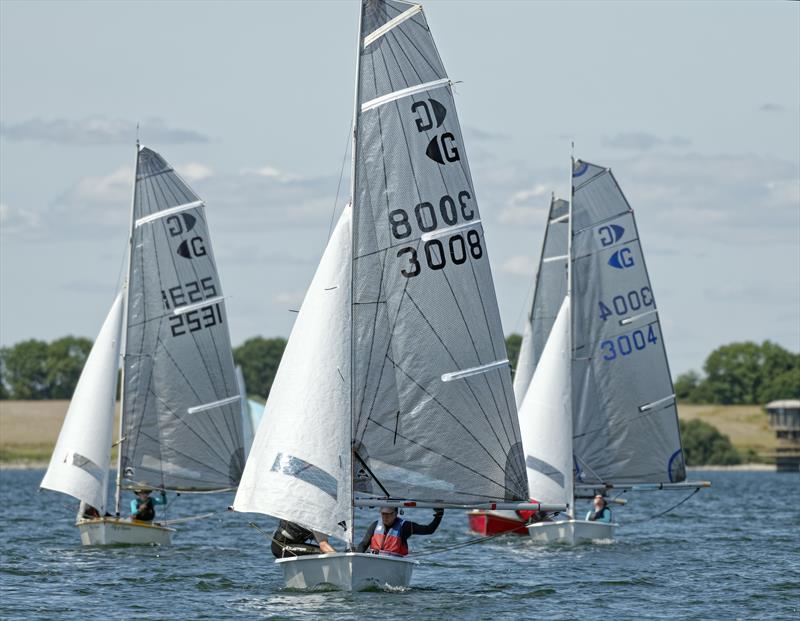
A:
{"x": 437, "y": 251}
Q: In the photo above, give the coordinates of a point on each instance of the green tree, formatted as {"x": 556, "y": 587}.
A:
{"x": 739, "y": 373}
{"x": 686, "y": 385}
{"x": 704, "y": 445}
{"x": 25, "y": 370}
{"x": 784, "y": 385}
{"x": 513, "y": 345}
{"x": 65, "y": 360}
{"x": 259, "y": 359}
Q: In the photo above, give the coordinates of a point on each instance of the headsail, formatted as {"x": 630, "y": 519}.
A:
{"x": 299, "y": 468}
{"x": 548, "y": 294}
{"x": 625, "y": 418}
{"x": 79, "y": 465}
{"x": 546, "y": 418}
{"x": 181, "y": 411}
{"x": 433, "y": 407}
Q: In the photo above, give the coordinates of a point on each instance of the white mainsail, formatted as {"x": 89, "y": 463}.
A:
{"x": 299, "y": 466}
{"x": 546, "y": 418}
{"x": 80, "y": 460}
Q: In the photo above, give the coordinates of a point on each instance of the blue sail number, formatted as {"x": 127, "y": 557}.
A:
{"x": 626, "y": 344}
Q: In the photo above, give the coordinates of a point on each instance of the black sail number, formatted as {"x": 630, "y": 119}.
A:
{"x": 412, "y": 260}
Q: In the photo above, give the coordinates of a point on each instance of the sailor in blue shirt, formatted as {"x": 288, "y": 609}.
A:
{"x": 601, "y": 511}
{"x": 143, "y": 506}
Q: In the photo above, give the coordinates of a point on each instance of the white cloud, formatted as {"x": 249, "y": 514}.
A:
{"x": 14, "y": 221}
{"x": 527, "y": 207}
{"x": 519, "y": 265}
{"x": 194, "y": 171}
{"x": 642, "y": 141}
{"x": 96, "y": 130}
{"x": 114, "y": 187}
{"x": 269, "y": 172}
{"x": 290, "y": 299}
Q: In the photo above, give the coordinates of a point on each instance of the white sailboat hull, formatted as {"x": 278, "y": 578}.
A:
{"x": 571, "y": 532}
{"x": 115, "y": 531}
{"x": 348, "y": 571}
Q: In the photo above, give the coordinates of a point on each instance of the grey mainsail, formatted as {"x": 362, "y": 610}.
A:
{"x": 625, "y": 421}
{"x": 182, "y": 427}
{"x": 433, "y": 408}
{"x": 548, "y": 295}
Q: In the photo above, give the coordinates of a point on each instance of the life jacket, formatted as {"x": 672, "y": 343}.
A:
{"x": 145, "y": 511}
{"x": 389, "y": 542}
{"x": 596, "y": 515}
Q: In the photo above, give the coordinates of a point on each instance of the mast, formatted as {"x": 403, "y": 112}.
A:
{"x": 571, "y": 509}
{"x": 353, "y": 164}
{"x": 124, "y": 343}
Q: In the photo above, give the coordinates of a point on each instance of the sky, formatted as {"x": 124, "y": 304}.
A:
{"x": 694, "y": 105}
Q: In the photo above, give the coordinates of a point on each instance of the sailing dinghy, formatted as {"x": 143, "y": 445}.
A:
{"x": 394, "y": 388}
{"x": 180, "y": 422}
{"x": 597, "y": 409}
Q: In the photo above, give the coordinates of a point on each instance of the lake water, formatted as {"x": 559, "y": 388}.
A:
{"x": 730, "y": 552}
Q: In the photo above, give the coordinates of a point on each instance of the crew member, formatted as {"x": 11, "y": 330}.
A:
{"x": 601, "y": 511}
{"x": 291, "y": 539}
{"x": 143, "y": 506}
{"x": 390, "y": 534}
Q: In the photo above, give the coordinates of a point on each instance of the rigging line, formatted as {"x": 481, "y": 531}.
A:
{"x": 672, "y": 508}
{"x": 192, "y": 518}
{"x": 441, "y": 405}
{"x": 372, "y": 474}
{"x": 341, "y": 176}
{"x": 455, "y": 362}
{"x": 451, "y": 459}
{"x": 463, "y": 544}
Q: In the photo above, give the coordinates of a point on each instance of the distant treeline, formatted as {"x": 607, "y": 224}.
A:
{"x": 739, "y": 373}
{"x": 743, "y": 374}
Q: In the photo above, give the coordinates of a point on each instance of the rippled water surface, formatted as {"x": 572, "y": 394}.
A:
{"x": 731, "y": 552}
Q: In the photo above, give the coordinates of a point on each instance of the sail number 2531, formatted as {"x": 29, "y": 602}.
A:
{"x": 455, "y": 248}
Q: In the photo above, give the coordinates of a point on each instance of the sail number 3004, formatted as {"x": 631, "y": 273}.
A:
{"x": 626, "y": 344}
{"x": 455, "y": 248}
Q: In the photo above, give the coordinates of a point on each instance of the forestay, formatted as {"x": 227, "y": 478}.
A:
{"x": 433, "y": 407}
{"x": 546, "y": 418}
{"x": 625, "y": 418}
{"x": 299, "y": 468}
{"x": 548, "y": 294}
{"x": 79, "y": 465}
{"x": 181, "y": 411}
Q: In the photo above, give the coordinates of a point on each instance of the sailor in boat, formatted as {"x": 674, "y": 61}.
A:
{"x": 601, "y": 511}
{"x": 532, "y": 517}
{"x": 291, "y": 539}
{"x": 143, "y": 507}
{"x": 390, "y": 534}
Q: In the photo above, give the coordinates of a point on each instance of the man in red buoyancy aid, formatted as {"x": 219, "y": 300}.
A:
{"x": 390, "y": 534}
